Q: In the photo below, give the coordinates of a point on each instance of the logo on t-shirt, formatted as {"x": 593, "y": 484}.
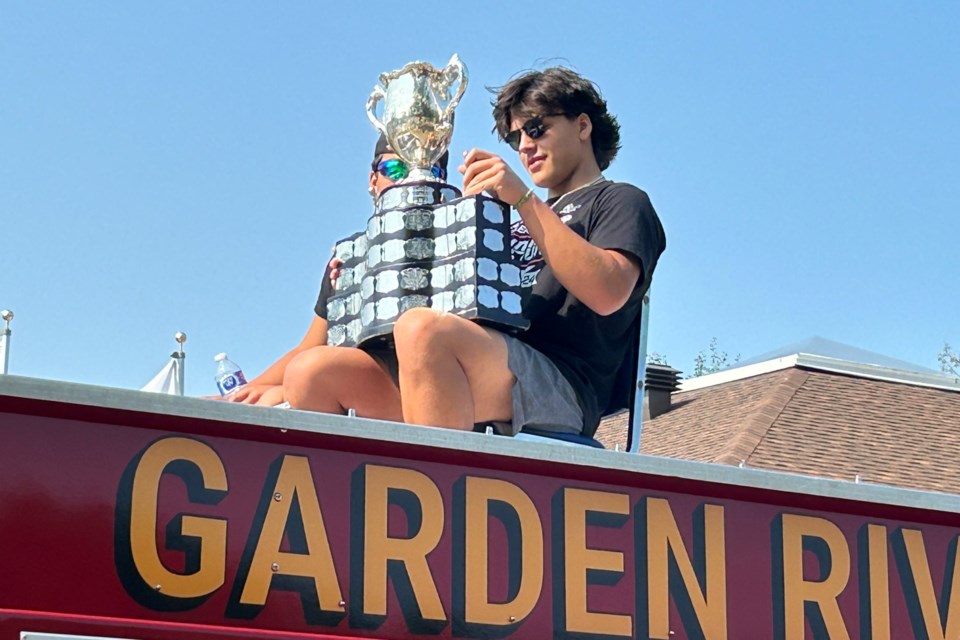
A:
{"x": 525, "y": 253}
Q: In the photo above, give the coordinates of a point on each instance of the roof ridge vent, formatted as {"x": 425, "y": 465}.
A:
{"x": 662, "y": 376}
{"x": 660, "y": 381}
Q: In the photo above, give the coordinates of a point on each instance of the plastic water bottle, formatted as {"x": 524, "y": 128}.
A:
{"x": 229, "y": 377}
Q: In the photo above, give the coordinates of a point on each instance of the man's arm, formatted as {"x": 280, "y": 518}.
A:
{"x": 600, "y": 278}
{"x": 273, "y": 376}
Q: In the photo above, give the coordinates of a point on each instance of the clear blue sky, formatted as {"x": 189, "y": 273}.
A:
{"x": 188, "y": 165}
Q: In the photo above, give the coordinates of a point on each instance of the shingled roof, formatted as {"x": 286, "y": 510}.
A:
{"x": 814, "y": 415}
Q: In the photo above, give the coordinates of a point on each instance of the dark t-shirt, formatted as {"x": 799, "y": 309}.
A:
{"x": 589, "y": 348}
{"x": 326, "y": 290}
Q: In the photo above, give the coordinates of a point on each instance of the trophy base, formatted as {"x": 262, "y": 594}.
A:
{"x": 451, "y": 256}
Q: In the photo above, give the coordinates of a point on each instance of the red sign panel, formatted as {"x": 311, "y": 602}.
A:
{"x": 124, "y": 524}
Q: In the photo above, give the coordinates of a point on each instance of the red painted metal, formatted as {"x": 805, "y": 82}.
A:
{"x": 62, "y": 470}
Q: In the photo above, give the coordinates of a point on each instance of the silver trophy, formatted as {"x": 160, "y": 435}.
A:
{"x": 418, "y": 112}
{"x": 425, "y": 245}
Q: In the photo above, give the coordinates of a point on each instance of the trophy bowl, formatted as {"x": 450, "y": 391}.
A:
{"x": 418, "y": 112}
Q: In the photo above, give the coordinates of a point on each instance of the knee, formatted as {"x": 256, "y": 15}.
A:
{"x": 415, "y": 328}
{"x": 421, "y": 330}
{"x": 304, "y": 370}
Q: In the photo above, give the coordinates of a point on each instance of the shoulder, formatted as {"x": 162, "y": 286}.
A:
{"x": 624, "y": 194}
{"x": 622, "y": 212}
{"x": 623, "y": 199}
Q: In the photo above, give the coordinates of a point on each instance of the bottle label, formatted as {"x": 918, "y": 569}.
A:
{"x": 230, "y": 382}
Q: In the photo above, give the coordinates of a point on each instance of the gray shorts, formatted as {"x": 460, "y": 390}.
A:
{"x": 542, "y": 397}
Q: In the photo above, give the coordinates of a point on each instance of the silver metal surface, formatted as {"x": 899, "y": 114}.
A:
{"x": 464, "y": 296}
{"x": 7, "y": 316}
{"x": 42, "y": 635}
{"x": 442, "y": 301}
{"x": 180, "y": 362}
{"x": 636, "y": 417}
{"x": 493, "y": 240}
{"x": 336, "y": 335}
{"x": 412, "y": 301}
{"x": 511, "y": 302}
{"x": 4, "y": 351}
{"x": 415, "y": 249}
{"x": 179, "y": 369}
{"x": 488, "y": 296}
{"x": 465, "y": 443}
{"x": 414, "y": 278}
{"x": 418, "y": 112}
{"x": 353, "y": 329}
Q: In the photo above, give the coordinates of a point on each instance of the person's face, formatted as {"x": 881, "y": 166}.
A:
{"x": 552, "y": 158}
{"x": 378, "y": 181}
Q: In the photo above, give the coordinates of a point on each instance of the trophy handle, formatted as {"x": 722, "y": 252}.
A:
{"x": 455, "y": 70}
{"x": 375, "y": 97}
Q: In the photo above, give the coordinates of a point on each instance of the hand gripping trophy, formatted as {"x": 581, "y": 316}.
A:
{"x": 424, "y": 245}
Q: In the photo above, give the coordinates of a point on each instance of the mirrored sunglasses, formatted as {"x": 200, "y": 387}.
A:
{"x": 397, "y": 169}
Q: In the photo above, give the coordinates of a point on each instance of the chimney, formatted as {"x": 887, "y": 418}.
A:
{"x": 661, "y": 381}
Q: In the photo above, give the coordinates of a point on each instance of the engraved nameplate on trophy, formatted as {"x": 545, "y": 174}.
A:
{"x": 425, "y": 246}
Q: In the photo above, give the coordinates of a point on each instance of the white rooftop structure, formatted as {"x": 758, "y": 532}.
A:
{"x": 827, "y": 355}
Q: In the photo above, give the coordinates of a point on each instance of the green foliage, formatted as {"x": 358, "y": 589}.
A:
{"x": 949, "y": 360}
{"x": 656, "y": 358}
{"x": 712, "y": 360}
{"x": 709, "y": 360}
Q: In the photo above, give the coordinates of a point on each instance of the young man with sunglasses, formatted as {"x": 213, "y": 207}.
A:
{"x": 318, "y": 377}
{"x": 588, "y": 252}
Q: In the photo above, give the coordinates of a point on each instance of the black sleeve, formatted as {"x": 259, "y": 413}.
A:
{"x": 326, "y": 290}
{"x": 624, "y": 220}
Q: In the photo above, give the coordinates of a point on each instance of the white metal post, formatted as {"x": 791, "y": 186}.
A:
{"x": 179, "y": 363}
{"x": 7, "y": 316}
{"x": 636, "y": 417}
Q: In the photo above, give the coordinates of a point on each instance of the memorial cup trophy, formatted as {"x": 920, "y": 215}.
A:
{"x": 424, "y": 245}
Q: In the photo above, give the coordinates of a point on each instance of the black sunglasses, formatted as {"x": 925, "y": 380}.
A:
{"x": 534, "y": 128}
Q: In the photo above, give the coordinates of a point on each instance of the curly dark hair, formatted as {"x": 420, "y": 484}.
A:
{"x": 558, "y": 90}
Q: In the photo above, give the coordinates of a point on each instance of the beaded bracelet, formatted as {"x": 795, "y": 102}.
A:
{"x": 522, "y": 200}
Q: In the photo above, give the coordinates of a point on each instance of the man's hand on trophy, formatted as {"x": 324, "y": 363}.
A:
{"x": 484, "y": 171}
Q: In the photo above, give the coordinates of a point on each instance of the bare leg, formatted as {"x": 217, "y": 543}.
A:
{"x": 334, "y": 379}
{"x": 453, "y": 372}
{"x": 271, "y": 397}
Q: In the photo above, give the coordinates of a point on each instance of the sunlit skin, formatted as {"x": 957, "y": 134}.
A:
{"x": 453, "y": 372}
{"x": 560, "y": 160}
{"x": 267, "y": 388}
